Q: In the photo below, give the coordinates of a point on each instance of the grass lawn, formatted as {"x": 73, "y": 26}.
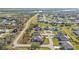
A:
{"x": 55, "y": 42}
{"x": 54, "y": 32}
{"x": 44, "y": 48}
{"x": 8, "y": 46}
{"x": 42, "y": 24}
{"x": 76, "y": 47}
{"x": 50, "y": 25}
{"x": 32, "y": 31}
{"x": 46, "y": 41}
{"x": 21, "y": 48}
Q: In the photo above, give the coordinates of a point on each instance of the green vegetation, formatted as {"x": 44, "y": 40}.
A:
{"x": 46, "y": 41}
{"x": 76, "y": 46}
{"x": 44, "y": 48}
{"x": 35, "y": 45}
{"x": 55, "y": 42}
{"x": 22, "y": 48}
{"x": 42, "y": 24}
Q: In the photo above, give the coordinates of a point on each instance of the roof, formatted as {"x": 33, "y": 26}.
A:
{"x": 76, "y": 32}
{"x": 62, "y": 37}
{"x": 37, "y": 28}
{"x": 46, "y": 28}
{"x": 36, "y": 39}
{"x": 66, "y": 45}
{"x": 77, "y": 21}
{"x": 51, "y": 21}
{"x": 77, "y": 29}
{"x": 36, "y": 33}
{"x": 6, "y": 21}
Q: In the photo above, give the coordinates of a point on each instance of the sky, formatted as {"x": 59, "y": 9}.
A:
{"x": 39, "y": 3}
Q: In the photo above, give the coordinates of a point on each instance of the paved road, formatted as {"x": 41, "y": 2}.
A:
{"x": 57, "y": 47}
{"x": 22, "y": 32}
{"x": 50, "y": 45}
{"x": 70, "y": 34}
{"x": 50, "y": 42}
{"x": 29, "y": 45}
{"x": 49, "y": 37}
